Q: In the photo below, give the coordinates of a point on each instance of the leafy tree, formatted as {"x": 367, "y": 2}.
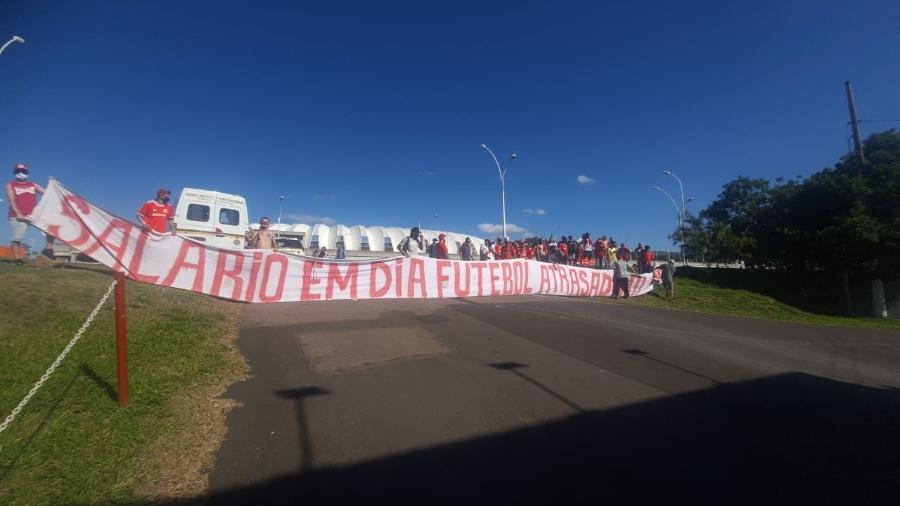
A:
{"x": 844, "y": 218}
{"x": 735, "y": 221}
{"x": 847, "y": 218}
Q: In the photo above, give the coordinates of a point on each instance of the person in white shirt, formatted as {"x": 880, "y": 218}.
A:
{"x": 412, "y": 245}
{"x": 485, "y": 251}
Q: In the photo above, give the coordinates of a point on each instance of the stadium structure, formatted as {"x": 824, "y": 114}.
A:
{"x": 359, "y": 240}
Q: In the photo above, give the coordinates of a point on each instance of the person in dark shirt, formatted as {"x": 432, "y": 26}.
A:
{"x": 467, "y": 250}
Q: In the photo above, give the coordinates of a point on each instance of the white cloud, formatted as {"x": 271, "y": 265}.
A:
{"x": 309, "y": 219}
{"x": 582, "y": 179}
{"x": 538, "y": 211}
{"x": 495, "y": 229}
{"x": 321, "y": 196}
{"x": 426, "y": 172}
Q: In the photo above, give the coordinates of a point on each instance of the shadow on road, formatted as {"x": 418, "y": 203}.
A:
{"x": 299, "y": 395}
{"x": 787, "y": 439}
{"x": 647, "y": 355}
{"x": 514, "y": 367}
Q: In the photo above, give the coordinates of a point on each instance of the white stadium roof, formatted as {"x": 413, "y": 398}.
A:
{"x": 360, "y": 238}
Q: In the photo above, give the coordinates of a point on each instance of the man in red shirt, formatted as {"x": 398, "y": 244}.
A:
{"x": 506, "y": 250}
{"x": 22, "y": 196}
{"x": 647, "y": 257}
{"x": 156, "y": 214}
{"x": 440, "y": 249}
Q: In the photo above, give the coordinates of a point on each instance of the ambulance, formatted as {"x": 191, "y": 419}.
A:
{"x": 211, "y": 217}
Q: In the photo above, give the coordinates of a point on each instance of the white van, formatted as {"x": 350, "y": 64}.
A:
{"x": 215, "y": 218}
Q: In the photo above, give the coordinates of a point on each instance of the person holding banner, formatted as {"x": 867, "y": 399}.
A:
{"x": 620, "y": 278}
{"x": 667, "y": 271}
{"x": 22, "y": 196}
{"x": 158, "y": 215}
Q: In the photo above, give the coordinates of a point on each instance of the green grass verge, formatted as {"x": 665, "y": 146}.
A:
{"x": 72, "y": 443}
{"x": 699, "y": 296}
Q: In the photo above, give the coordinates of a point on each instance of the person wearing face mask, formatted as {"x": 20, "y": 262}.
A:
{"x": 262, "y": 238}
{"x": 22, "y": 196}
{"x": 157, "y": 214}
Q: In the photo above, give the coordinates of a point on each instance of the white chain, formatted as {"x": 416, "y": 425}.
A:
{"x": 59, "y": 359}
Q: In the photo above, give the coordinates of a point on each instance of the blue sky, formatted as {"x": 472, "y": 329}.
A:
{"x": 373, "y": 112}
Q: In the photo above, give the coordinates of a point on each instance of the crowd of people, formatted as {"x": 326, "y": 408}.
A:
{"x": 601, "y": 253}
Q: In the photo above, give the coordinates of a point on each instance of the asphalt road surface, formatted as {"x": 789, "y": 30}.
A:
{"x": 556, "y": 401}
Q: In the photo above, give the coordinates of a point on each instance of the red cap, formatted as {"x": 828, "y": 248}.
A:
{"x": 162, "y": 192}
{"x": 20, "y": 167}
{"x": 442, "y": 236}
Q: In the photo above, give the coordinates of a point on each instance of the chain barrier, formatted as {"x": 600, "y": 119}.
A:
{"x": 59, "y": 359}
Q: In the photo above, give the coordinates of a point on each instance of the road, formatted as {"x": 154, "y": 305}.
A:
{"x": 555, "y": 400}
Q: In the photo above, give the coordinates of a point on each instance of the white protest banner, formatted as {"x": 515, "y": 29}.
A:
{"x": 268, "y": 276}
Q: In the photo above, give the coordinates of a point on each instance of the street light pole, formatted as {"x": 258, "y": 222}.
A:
{"x": 502, "y": 173}
{"x": 679, "y": 216}
{"x": 677, "y": 210}
{"x": 15, "y": 38}
{"x": 280, "y": 201}
{"x": 681, "y": 188}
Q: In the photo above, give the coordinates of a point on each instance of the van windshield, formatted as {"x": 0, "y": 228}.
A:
{"x": 287, "y": 242}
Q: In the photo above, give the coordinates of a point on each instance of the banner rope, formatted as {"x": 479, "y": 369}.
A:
{"x": 59, "y": 359}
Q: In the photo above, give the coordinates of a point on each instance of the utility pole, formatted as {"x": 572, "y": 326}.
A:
{"x": 854, "y": 123}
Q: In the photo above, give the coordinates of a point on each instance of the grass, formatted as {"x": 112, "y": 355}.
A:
{"x": 707, "y": 297}
{"x": 72, "y": 443}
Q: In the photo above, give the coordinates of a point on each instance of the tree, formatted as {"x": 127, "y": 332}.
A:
{"x": 735, "y": 221}
{"x": 848, "y": 217}
{"x": 843, "y": 219}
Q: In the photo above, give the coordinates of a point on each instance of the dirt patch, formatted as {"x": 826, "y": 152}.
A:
{"x": 179, "y": 463}
{"x": 342, "y": 350}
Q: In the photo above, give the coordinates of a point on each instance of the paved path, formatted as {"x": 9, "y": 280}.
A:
{"x": 559, "y": 401}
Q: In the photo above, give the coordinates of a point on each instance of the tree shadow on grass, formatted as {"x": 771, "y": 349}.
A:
{"x": 787, "y": 439}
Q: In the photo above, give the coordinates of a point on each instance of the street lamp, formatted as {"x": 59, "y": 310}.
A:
{"x": 280, "y": 201}
{"x": 502, "y": 173}
{"x": 683, "y": 210}
{"x": 680, "y": 187}
{"x": 679, "y": 215}
{"x": 15, "y": 38}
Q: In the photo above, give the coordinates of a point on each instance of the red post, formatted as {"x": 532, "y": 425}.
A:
{"x": 121, "y": 340}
